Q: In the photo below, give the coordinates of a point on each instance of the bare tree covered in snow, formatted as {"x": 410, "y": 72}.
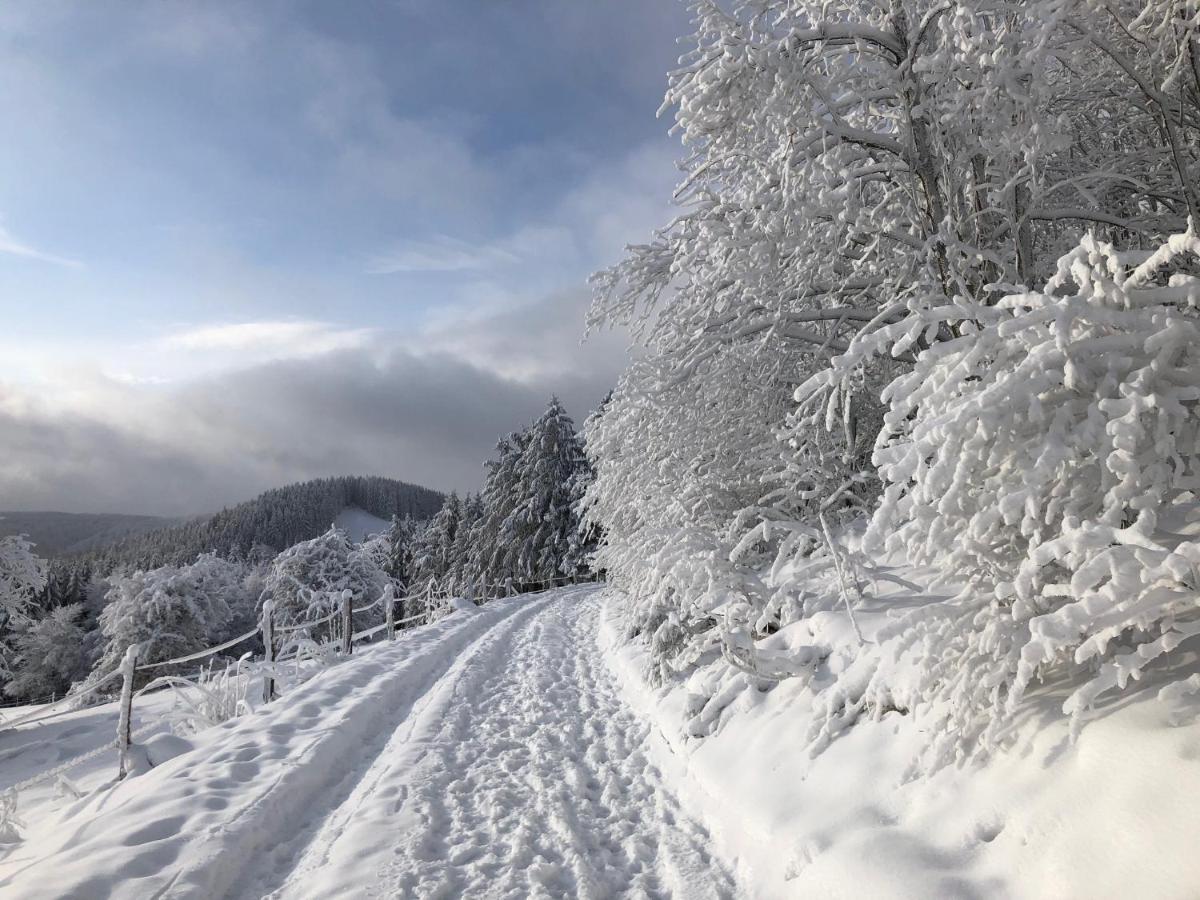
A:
{"x": 22, "y": 579}
{"x": 871, "y": 192}
{"x": 48, "y": 654}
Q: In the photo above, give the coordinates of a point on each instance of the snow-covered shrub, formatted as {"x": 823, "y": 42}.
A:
{"x": 10, "y": 822}
{"x": 48, "y": 654}
{"x": 170, "y": 611}
{"x": 220, "y": 692}
{"x": 1046, "y": 453}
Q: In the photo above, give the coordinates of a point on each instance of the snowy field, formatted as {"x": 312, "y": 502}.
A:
{"x": 517, "y": 751}
{"x": 360, "y": 524}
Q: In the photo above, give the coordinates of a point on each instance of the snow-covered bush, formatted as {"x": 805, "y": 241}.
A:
{"x": 170, "y": 611}
{"x": 1046, "y": 455}
{"x": 217, "y": 694}
{"x": 48, "y": 654}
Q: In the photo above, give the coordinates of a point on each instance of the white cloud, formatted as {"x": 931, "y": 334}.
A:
{"x": 442, "y": 254}
{"x": 272, "y": 339}
{"x": 13, "y": 247}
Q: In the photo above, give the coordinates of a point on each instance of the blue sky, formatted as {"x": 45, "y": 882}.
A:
{"x": 195, "y": 198}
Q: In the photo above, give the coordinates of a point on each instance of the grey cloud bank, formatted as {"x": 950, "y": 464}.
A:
{"x": 420, "y": 408}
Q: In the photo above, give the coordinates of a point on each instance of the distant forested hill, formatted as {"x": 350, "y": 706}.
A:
{"x": 58, "y": 534}
{"x": 274, "y": 521}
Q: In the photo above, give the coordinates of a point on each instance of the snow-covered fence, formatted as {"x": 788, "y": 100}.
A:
{"x": 344, "y": 610}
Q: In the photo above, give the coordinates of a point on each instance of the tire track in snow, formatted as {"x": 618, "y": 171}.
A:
{"x": 523, "y": 774}
{"x": 333, "y": 813}
{"x": 201, "y": 825}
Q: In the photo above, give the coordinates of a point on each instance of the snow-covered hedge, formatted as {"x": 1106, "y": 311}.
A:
{"x": 1047, "y": 456}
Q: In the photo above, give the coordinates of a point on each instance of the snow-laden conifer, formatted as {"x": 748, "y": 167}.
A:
{"x": 432, "y": 551}
{"x": 540, "y": 529}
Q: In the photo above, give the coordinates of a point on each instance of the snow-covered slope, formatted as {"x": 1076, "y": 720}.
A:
{"x": 56, "y": 533}
{"x": 359, "y": 524}
{"x": 1111, "y": 815}
{"x": 515, "y": 750}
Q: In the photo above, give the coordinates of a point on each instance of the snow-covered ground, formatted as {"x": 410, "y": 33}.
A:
{"x": 1113, "y": 814}
{"x": 515, "y": 750}
{"x": 360, "y": 524}
{"x": 490, "y": 754}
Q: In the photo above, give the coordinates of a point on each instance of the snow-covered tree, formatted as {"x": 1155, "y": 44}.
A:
{"x": 432, "y": 550}
{"x": 22, "y": 578}
{"x": 170, "y": 611}
{"x": 585, "y": 537}
{"x": 305, "y": 581}
{"x": 463, "y": 576}
{"x": 851, "y": 165}
{"x": 491, "y": 559}
{"x": 401, "y": 536}
{"x": 670, "y": 491}
{"x": 48, "y": 654}
{"x": 540, "y": 530}
{"x": 378, "y": 548}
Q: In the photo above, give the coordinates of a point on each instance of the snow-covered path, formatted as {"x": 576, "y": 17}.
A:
{"x": 521, "y": 774}
{"x": 492, "y": 756}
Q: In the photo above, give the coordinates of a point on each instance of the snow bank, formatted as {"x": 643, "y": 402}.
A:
{"x": 1112, "y": 815}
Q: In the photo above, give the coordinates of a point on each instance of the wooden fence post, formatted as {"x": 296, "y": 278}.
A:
{"x": 269, "y": 650}
{"x": 389, "y": 611}
{"x": 347, "y": 623}
{"x": 125, "y": 720}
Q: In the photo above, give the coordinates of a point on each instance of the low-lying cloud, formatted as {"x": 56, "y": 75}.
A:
{"x": 426, "y": 407}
